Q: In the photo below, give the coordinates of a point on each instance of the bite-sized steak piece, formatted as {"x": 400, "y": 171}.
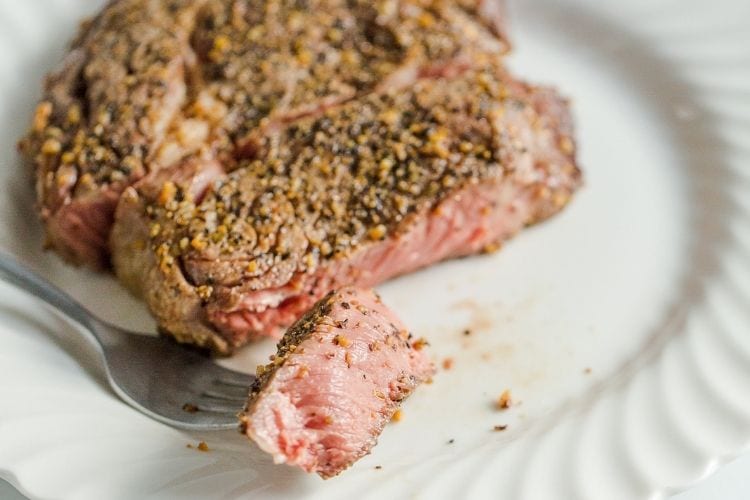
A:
{"x": 149, "y": 83}
{"x": 366, "y": 191}
{"x": 338, "y": 376}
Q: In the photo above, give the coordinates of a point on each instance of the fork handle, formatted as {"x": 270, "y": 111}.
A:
{"x": 13, "y": 272}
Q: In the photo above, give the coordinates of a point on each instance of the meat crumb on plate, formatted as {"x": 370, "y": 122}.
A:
{"x": 504, "y": 401}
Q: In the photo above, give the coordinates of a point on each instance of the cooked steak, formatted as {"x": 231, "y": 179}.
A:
{"x": 104, "y": 114}
{"x": 151, "y": 82}
{"x": 365, "y": 191}
{"x": 338, "y": 376}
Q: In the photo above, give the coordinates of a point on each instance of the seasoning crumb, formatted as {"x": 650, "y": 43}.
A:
{"x": 378, "y": 232}
{"x": 447, "y": 363}
{"x": 167, "y": 193}
{"x": 467, "y": 332}
{"x": 566, "y": 145}
{"x": 499, "y": 428}
{"x": 190, "y": 408}
{"x": 51, "y": 147}
{"x": 397, "y": 416}
{"x": 341, "y": 340}
{"x": 451, "y": 441}
{"x": 492, "y": 247}
{"x": 202, "y": 446}
{"x": 41, "y": 116}
{"x": 204, "y": 291}
{"x": 378, "y": 467}
{"x": 302, "y": 372}
{"x": 504, "y": 401}
{"x": 419, "y": 343}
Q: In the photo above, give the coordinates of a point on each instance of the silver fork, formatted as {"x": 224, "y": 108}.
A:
{"x": 169, "y": 383}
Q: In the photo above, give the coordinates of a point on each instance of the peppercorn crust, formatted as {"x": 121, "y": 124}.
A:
{"x": 103, "y": 115}
{"x": 293, "y": 337}
{"x": 301, "y": 217}
{"x": 326, "y": 185}
{"x": 176, "y": 303}
{"x": 150, "y": 83}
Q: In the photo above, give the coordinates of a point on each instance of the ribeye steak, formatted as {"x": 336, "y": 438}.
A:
{"x": 364, "y": 191}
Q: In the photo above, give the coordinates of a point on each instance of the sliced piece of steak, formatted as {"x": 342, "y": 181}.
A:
{"x": 151, "y": 82}
{"x": 138, "y": 267}
{"x": 104, "y": 112}
{"x": 338, "y": 376}
{"x": 366, "y": 191}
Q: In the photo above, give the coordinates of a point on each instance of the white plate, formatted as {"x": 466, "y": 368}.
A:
{"x": 644, "y": 280}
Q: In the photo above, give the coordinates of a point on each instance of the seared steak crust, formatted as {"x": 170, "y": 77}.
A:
{"x": 362, "y": 192}
{"x": 104, "y": 113}
{"x": 150, "y": 82}
{"x": 283, "y": 59}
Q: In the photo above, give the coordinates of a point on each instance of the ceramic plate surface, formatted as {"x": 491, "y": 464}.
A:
{"x": 620, "y": 326}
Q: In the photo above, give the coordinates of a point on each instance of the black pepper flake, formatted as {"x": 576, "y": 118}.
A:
{"x": 341, "y": 324}
{"x": 451, "y": 441}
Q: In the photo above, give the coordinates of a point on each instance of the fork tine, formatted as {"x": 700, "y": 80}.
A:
{"x": 219, "y": 408}
{"x": 228, "y": 391}
{"x": 235, "y": 379}
{"x": 225, "y": 397}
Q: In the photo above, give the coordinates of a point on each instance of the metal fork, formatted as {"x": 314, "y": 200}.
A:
{"x": 169, "y": 383}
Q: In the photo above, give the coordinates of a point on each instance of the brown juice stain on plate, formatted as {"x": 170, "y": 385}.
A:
{"x": 484, "y": 317}
{"x": 535, "y": 376}
{"x": 500, "y": 351}
{"x": 480, "y": 318}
